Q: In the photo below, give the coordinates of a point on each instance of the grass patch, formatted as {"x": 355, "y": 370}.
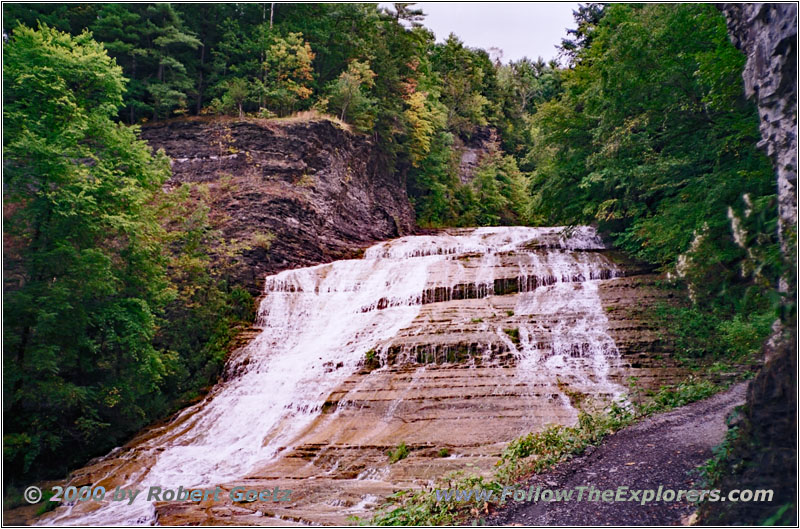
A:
{"x": 477, "y": 320}
{"x": 444, "y": 452}
{"x": 47, "y": 505}
{"x": 509, "y": 313}
{"x": 668, "y": 397}
{"x": 371, "y": 360}
{"x": 262, "y": 240}
{"x": 513, "y": 334}
{"x": 408, "y": 507}
{"x": 401, "y": 452}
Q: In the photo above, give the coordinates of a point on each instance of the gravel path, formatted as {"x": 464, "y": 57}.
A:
{"x": 662, "y": 450}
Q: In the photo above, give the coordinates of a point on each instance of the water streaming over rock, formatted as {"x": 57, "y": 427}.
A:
{"x": 319, "y": 323}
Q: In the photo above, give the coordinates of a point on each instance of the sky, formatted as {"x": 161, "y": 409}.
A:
{"x": 520, "y": 29}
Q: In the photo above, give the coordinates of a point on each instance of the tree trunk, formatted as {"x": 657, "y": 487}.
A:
{"x": 200, "y": 79}
{"x": 133, "y": 76}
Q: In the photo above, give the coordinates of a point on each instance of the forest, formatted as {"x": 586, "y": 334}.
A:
{"x": 113, "y": 317}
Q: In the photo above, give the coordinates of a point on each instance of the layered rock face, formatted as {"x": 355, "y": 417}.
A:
{"x": 767, "y": 34}
{"x": 765, "y": 454}
{"x": 483, "y": 143}
{"x": 453, "y": 344}
{"x": 289, "y": 194}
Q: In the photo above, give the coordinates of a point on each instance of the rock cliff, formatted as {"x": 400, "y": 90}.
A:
{"x": 286, "y": 194}
{"x": 767, "y": 34}
{"x": 471, "y": 152}
{"x": 765, "y": 455}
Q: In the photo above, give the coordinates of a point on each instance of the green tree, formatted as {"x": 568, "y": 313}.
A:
{"x": 288, "y": 72}
{"x": 169, "y": 39}
{"x": 425, "y": 117}
{"x": 237, "y": 92}
{"x": 587, "y": 17}
{"x": 84, "y": 278}
{"x": 500, "y": 192}
{"x": 462, "y": 80}
{"x": 348, "y": 98}
{"x": 652, "y": 141}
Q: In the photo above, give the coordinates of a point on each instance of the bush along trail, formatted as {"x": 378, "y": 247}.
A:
{"x": 672, "y": 450}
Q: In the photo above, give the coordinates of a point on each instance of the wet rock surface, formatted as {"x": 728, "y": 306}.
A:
{"x": 454, "y": 380}
{"x": 355, "y": 358}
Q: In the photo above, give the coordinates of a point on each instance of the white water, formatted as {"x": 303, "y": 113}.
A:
{"x": 319, "y": 322}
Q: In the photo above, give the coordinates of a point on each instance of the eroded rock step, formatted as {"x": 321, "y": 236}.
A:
{"x": 448, "y": 381}
{"x": 452, "y": 344}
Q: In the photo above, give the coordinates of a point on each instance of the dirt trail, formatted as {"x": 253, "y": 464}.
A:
{"x": 663, "y": 451}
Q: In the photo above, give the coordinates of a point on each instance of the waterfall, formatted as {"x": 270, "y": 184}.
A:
{"x": 318, "y": 323}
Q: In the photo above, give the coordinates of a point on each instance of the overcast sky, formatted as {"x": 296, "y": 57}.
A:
{"x": 519, "y": 29}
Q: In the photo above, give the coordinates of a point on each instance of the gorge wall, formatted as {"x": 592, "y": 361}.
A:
{"x": 765, "y": 454}
{"x": 286, "y": 193}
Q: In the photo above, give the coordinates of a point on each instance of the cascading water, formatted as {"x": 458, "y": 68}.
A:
{"x": 318, "y": 323}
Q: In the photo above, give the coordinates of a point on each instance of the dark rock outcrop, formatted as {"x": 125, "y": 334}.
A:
{"x": 484, "y": 142}
{"x": 286, "y": 194}
{"x": 764, "y": 455}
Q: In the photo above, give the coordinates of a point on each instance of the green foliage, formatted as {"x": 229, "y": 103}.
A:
{"x": 85, "y": 278}
{"x": 151, "y": 43}
{"x": 288, "y": 73}
{"x": 208, "y": 309}
{"x": 371, "y": 359}
{"x": 782, "y": 516}
{"x": 47, "y": 505}
{"x": 415, "y": 508}
{"x": 698, "y": 333}
{"x": 376, "y": 68}
{"x": 463, "y": 73}
{"x": 497, "y": 195}
{"x": 536, "y": 452}
{"x": 513, "y": 334}
{"x": 444, "y": 452}
{"x": 647, "y": 122}
{"x": 652, "y": 140}
{"x": 401, "y": 452}
{"x": 668, "y": 397}
{"x": 713, "y": 470}
{"x": 112, "y": 315}
{"x": 116, "y": 311}
{"x": 237, "y": 92}
{"x": 347, "y": 96}
{"x": 424, "y": 116}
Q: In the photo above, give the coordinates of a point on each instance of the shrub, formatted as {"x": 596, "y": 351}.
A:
{"x": 401, "y": 452}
